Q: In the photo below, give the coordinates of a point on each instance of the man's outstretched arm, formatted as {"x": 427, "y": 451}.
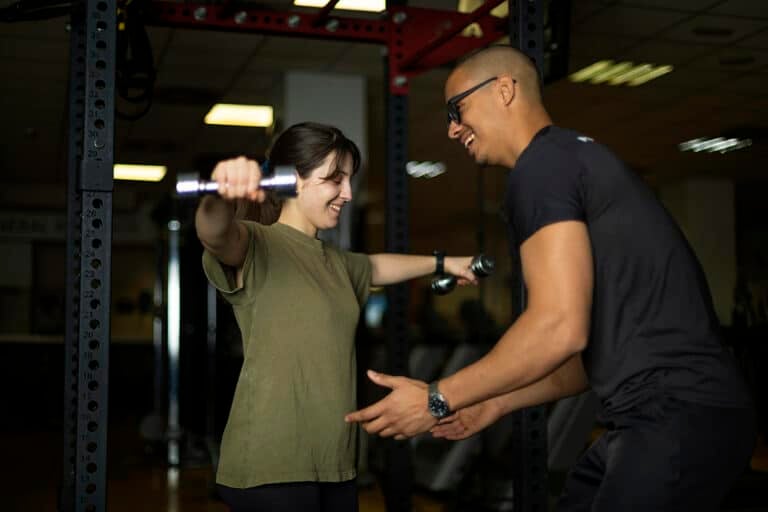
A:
{"x": 558, "y": 272}
{"x": 570, "y": 379}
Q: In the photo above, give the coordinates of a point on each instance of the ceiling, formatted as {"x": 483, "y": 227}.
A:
{"x": 720, "y": 84}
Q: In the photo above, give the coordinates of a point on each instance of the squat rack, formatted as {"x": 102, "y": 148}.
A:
{"x": 416, "y": 40}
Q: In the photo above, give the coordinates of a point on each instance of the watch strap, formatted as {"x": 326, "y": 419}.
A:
{"x": 439, "y": 262}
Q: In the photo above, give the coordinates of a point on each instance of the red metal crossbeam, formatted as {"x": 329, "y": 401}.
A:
{"x": 284, "y": 23}
{"x": 417, "y": 39}
{"x": 423, "y": 39}
{"x": 450, "y": 32}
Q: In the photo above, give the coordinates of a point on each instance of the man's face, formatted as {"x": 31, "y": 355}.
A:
{"x": 469, "y": 102}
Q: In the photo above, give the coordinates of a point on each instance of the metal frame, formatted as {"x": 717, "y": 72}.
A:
{"x": 75, "y": 114}
{"x": 417, "y": 40}
{"x": 531, "y": 492}
{"x": 89, "y": 244}
{"x": 398, "y": 478}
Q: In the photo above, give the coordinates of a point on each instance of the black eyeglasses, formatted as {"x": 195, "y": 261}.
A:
{"x": 452, "y": 105}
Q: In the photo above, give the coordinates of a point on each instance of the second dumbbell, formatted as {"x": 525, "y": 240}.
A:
{"x": 481, "y": 266}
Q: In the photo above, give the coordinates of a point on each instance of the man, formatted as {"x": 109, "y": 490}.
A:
{"x": 617, "y": 302}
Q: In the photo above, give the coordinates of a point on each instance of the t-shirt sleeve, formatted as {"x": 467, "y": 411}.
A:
{"x": 223, "y": 277}
{"x": 544, "y": 189}
{"x": 359, "y": 270}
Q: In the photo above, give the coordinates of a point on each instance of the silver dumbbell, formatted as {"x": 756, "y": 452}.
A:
{"x": 282, "y": 181}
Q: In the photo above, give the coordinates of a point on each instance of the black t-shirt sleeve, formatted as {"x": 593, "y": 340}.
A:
{"x": 545, "y": 187}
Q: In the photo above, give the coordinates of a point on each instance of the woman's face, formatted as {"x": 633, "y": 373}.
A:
{"x": 325, "y": 191}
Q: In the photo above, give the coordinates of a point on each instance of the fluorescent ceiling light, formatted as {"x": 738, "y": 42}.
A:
{"x": 619, "y": 73}
{"x": 347, "y": 5}
{"x": 654, "y": 73}
{"x": 714, "y": 145}
{"x": 425, "y": 169}
{"x": 240, "y": 115}
{"x": 611, "y": 72}
{"x": 137, "y": 172}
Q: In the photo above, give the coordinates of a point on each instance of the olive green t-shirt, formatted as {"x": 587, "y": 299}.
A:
{"x": 297, "y": 311}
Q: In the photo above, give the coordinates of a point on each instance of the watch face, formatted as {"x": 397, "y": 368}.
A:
{"x": 438, "y": 407}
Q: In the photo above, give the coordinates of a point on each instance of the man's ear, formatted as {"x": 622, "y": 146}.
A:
{"x": 506, "y": 87}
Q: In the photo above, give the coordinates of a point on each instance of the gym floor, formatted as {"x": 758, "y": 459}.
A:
{"x": 138, "y": 480}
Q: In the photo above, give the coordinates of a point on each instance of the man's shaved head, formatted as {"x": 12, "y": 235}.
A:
{"x": 498, "y": 60}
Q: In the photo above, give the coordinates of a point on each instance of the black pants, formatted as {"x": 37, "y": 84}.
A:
{"x": 292, "y": 497}
{"x": 664, "y": 455}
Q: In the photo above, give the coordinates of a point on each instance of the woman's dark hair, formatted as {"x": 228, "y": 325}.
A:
{"x": 304, "y": 146}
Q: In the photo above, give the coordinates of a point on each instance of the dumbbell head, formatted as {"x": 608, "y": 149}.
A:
{"x": 443, "y": 284}
{"x": 482, "y": 265}
{"x": 282, "y": 181}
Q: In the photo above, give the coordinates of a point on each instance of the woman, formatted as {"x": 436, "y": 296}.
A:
{"x": 297, "y": 302}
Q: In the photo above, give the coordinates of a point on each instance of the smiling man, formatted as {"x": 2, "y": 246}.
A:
{"x": 617, "y": 302}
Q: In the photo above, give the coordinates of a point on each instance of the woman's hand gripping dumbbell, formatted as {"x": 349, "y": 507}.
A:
{"x": 443, "y": 283}
{"x": 240, "y": 178}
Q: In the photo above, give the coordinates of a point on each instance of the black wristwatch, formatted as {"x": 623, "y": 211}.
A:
{"x": 436, "y": 403}
{"x": 439, "y": 259}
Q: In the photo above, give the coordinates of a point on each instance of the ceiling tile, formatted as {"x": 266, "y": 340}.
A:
{"x": 679, "y": 5}
{"x": 734, "y": 60}
{"x": 582, "y": 10}
{"x": 631, "y": 21}
{"x": 755, "y": 84}
{"x": 652, "y": 96}
{"x": 655, "y": 52}
{"x": 598, "y": 47}
{"x": 760, "y": 104}
{"x": 759, "y": 40}
{"x": 734, "y": 30}
{"x": 693, "y": 79}
{"x": 746, "y": 8}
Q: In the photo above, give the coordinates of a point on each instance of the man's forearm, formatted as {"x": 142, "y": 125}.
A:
{"x": 570, "y": 379}
{"x": 534, "y": 347}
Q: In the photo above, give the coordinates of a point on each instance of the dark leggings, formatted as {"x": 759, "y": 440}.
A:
{"x": 292, "y": 497}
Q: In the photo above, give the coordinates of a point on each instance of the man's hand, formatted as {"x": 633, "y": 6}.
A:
{"x": 467, "y": 421}
{"x": 402, "y": 413}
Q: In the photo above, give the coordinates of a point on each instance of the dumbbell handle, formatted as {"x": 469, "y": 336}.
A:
{"x": 282, "y": 181}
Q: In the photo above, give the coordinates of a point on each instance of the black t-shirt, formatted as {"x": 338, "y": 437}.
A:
{"x": 653, "y": 323}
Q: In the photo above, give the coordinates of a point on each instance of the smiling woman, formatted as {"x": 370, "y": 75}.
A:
{"x": 297, "y": 301}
